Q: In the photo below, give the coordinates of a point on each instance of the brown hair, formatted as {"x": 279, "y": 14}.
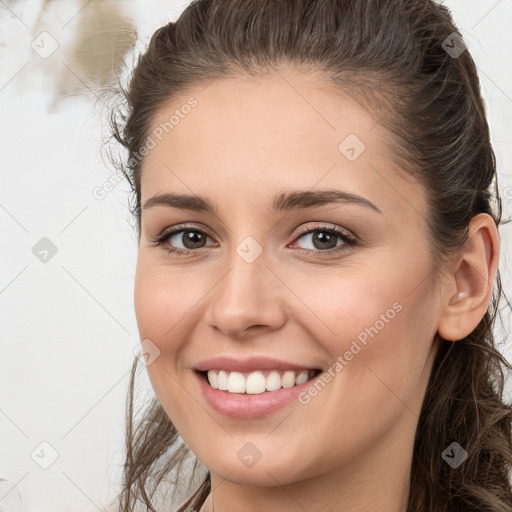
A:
{"x": 390, "y": 56}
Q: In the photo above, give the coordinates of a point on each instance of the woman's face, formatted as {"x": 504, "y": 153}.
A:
{"x": 363, "y": 308}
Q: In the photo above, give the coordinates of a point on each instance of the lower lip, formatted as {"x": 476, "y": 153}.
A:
{"x": 247, "y": 406}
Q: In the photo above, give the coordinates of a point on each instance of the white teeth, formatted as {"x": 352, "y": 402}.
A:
{"x": 214, "y": 379}
{"x": 288, "y": 380}
{"x": 236, "y": 383}
{"x": 273, "y": 381}
{"x": 301, "y": 378}
{"x": 255, "y": 382}
{"x": 222, "y": 380}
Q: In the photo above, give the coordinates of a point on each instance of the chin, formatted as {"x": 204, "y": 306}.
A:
{"x": 269, "y": 471}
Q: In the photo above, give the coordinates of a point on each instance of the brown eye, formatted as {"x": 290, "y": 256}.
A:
{"x": 180, "y": 240}
{"x": 325, "y": 239}
{"x": 190, "y": 239}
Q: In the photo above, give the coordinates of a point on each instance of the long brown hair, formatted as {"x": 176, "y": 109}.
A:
{"x": 394, "y": 57}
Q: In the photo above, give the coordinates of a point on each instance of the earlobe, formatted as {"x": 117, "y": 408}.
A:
{"x": 468, "y": 289}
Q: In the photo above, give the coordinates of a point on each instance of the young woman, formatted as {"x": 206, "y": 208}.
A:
{"x": 317, "y": 279}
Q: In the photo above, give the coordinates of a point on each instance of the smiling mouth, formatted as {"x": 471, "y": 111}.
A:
{"x": 256, "y": 382}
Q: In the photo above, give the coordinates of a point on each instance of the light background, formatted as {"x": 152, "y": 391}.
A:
{"x": 68, "y": 325}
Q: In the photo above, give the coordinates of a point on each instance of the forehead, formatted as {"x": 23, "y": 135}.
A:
{"x": 283, "y": 131}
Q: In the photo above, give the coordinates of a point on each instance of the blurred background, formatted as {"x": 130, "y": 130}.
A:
{"x": 68, "y": 245}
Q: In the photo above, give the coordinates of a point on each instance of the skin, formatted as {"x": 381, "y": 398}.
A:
{"x": 350, "y": 447}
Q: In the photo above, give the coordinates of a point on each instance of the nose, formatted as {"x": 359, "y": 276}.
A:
{"x": 248, "y": 299}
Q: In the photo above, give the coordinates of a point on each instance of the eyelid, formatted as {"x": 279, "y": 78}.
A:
{"x": 323, "y": 225}
{"x": 171, "y": 230}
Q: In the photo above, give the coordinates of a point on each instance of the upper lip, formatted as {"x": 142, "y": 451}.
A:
{"x": 248, "y": 364}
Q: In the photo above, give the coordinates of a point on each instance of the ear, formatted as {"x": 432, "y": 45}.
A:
{"x": 468, "y": 289}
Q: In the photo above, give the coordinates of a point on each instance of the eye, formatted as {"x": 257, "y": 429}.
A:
{"x": 191, "y": 240}
{"x": 324, "y": 239}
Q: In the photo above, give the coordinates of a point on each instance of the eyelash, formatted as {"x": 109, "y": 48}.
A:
{"x": 349, "y": 241}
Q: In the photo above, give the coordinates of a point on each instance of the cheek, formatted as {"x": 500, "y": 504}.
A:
{"x": 161, "y": 318}
{"x": 160, "y": 312}
{"x": 168, "y": 309}
{"x": 375, "y": 323}
{"x": 161, "y": 303}
{"x": 343, "y": 305}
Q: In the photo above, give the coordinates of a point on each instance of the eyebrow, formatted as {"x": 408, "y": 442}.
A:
{"x": 281, "y": 202}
